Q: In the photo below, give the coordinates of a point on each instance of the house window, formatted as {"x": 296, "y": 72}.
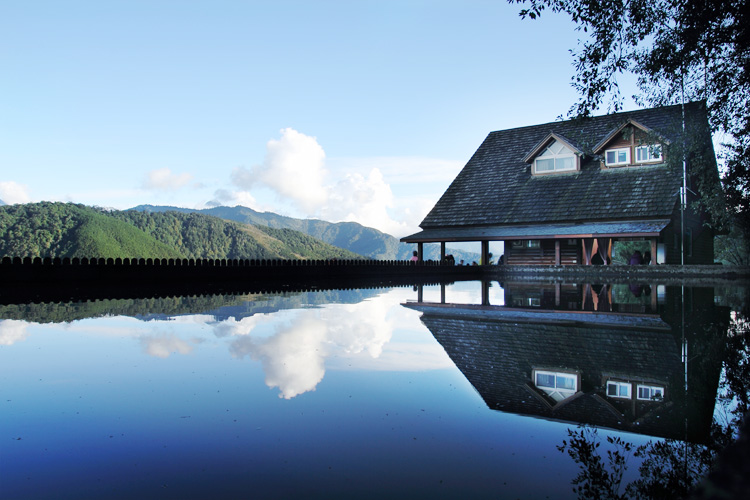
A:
{"x": 618, "y": 389}
{"x": 615, "y": 157}
{"x": 557, "y": 385}
{"x": 650, "y": 392}
{"x": 526, "y": 243}
{"x": 646, "y": 154}
{"x": 555, "y": 158}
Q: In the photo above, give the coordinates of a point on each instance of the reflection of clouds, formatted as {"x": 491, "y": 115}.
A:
{"x": 164, "y": 345}
{"x": 293, "y": 358}
{"x": 12, "y": 331}
{"x": 294, "y": 355}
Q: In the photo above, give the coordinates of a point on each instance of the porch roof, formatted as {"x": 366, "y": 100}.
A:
{"x": 610, "y": 229}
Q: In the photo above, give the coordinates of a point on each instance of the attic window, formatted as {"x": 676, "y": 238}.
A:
{"x": 648, "y": 154}
{"x": 650, "y": 392}
{"x": 555, "y": 158}
{"x": 557, "y": 385}
{"x": 618, "y": 389}
{"x": 616, "y": 157}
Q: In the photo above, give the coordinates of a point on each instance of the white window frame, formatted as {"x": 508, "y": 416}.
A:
{"x": 562, "y": 152}
{"x": 557, "y": 393}
{"x": 651, "y": 155}
{"x": 616, "y": 151}
{"x": 619, "y": 385}
{"x": 652, "y": 389}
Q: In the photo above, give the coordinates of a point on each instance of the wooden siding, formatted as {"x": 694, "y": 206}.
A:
{"x": 570, "y": 254}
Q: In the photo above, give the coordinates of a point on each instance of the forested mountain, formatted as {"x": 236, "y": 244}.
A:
{"x": 67, "y": 230}
{"x": 349, "y": 235}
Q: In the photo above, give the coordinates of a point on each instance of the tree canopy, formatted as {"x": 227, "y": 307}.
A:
{"x": 679, "y": 50}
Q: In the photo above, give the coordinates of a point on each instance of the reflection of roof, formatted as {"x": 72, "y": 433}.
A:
{"x": 583, "y": 230}
{"x": 498, "y": 355}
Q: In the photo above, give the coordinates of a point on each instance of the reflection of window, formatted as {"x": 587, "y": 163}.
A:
{"x": 650, "y": 392}
{"x": 618, "y": 389}
{"x": 557, "y": 385}
{"x": 527, "y": 302}
{"x": 619, "y": 156}
{"x": 645, "y": 154}
{"x": 555, "y": 158}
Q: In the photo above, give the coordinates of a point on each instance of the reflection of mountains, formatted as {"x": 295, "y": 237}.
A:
{"x": 221, "y": 307}
{"x": 618, "y": 370}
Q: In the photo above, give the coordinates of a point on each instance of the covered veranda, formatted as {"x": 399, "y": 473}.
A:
{"x": 565, "y": 244}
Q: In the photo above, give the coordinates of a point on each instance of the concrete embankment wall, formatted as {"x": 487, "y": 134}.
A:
{"x": 144, "y": 271}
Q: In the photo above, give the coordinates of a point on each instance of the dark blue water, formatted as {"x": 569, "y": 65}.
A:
{"x": 353, "y": 394}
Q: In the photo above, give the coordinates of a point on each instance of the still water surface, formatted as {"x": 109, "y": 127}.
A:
{"x": 342, "y": 394}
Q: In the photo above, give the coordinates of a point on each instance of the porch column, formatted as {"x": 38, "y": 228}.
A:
{"x": 485, "y": 293}
{"x": 588, "y": 247}
{"x": 442, "y": 251}
{"x": 653, "y": 252}
{"x": 485, "y": 252}
{"x": 420, "y": 251}
{"x": 557, "y": 252}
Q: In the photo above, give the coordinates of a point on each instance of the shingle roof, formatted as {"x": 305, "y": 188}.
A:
{"x": 496, "y": 186}
{"x": 497, "y": 357}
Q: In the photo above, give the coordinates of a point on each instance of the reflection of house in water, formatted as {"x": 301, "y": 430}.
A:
{"x": 621, "y": 368}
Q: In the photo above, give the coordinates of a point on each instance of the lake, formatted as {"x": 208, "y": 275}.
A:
{"x": 463, "y": 390}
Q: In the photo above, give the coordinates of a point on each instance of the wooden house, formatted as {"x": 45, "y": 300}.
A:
{"x": 563, "y": 193}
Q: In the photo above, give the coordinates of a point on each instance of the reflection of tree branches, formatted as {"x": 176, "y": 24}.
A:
{"x": 669, "y": 468}
{"x": 596, "y": 479}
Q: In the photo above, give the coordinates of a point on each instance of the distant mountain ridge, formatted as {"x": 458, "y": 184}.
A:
{"x": 49, "y": 229}
{"x": 351, "y": 236}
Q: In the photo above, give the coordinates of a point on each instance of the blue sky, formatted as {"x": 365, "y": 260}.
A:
{"x": 341, "y": 110}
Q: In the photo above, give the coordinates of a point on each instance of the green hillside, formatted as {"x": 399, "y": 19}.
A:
{"x": 349, "y": 235}
{"x": 68, "y": 230}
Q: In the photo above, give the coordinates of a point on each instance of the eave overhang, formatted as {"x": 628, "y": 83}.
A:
{"x": 609, "y": 229}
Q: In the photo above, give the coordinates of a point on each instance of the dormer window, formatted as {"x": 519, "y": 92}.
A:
{"x": 555, "y": 158}
{"x": 631, "y": 144}
{"x": 557, "y": 385}
{"x": 617, "y": 157}
{"x": 648, "y": 154}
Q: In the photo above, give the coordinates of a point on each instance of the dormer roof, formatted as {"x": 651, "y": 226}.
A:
{"x": 552, "y": 136}
{"x": 630, "y": 122}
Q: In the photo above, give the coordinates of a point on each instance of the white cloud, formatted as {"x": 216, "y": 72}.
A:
{"x": 365, "y": 200}
{"x": 225, "y": 197}
{"x": 356, "y": 189}
{"x": 163, "y": 346}
{"x": 294, "y": 355}
{"x": 293, "y": 358}
{"x": 12, "y": 331}
{"x": 13, "y": 192}
{"x": 165, "y": 179}
{"x": 294, "y": 168}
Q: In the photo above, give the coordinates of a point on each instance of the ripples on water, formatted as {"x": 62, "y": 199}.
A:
{"x": 467, "y": 390}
